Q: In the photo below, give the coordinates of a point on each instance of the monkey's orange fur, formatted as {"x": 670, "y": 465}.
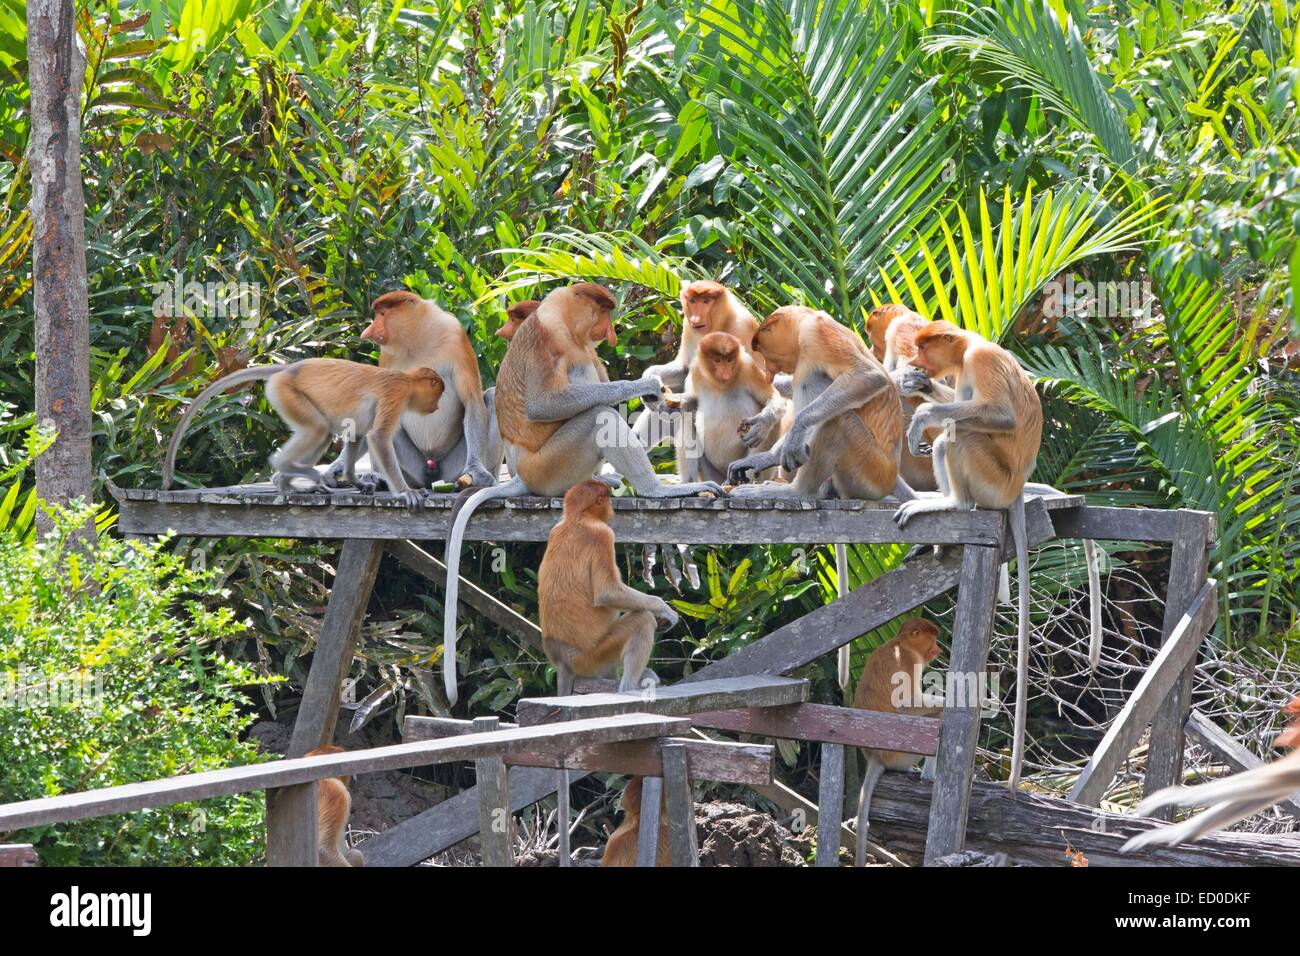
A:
{"x": 859, "y": 449}
{"x": 333, "y": 806}
{"x": 621, "y": 848}
{"x": 515, "y": 317}
{"x": 709, "y": 306}
{"x": 727, "y": 387}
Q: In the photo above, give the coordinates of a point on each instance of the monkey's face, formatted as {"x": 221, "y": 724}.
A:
{"x": 878, "y": 323}
{"x": 590, "y": 313}
{"x": 720, "y": 353}
{"x": 699, "y": 300}
{"x": 397, "y": 316}
{"x": 777, "y": 340}
{"x": 922, "y": 637}
{"x": 940, "y": 349}
{"x": 517, "y": 313}
{"x": 429, "y": 387}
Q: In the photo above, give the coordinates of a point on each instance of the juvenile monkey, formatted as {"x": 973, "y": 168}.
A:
{"x": 319, "y": 398}
{"x": 1228, "y": 800}
{"x": 333, "y": 806}
{"x": 590, "y": 619}
{"x": 895, "y": 665}
{"x": 707, "y": 307}
{"x": 515, "y": 317}
{"x": 984, "y": 456}
{"x": 554, "y": 408}
{"x": 725, "y": 392}
{"x": 621, "y": 848}
{"x": 847, "y": 424}
{"x": 451, "y": 444}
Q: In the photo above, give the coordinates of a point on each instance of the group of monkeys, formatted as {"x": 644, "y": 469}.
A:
{"x": 797, "y": 405}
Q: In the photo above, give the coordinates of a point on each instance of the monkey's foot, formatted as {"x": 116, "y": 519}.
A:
{"x": 686, "y": 489}
{"x": 611, "y": 478}
{"x": 478, "y": 477}
{"x": 919, "y": 506}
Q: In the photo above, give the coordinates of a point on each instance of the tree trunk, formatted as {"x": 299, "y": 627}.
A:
{"x": 56, "y": 71}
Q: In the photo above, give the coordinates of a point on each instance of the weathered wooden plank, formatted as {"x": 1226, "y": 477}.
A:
{"x": 647, "y": 834}
{"x": 503, "y": 616}
{"x": 678, "y": 700}
{"x": 1228, "y": 749}
{"x": 1037, "y": 830}
{"x": 827, "y": 628}
{"x": 681, "y": 806}
{"x": 284, "y": 773}
{"x": 833, "y": 725}
{"x": 496, "y": 839}
{"x": 732, "y": 521}
{"x": 353, "y": 582}
{"x": 17, "y": 854}
{"x": 291, "y": 826}
{"x": 438, "y": 728}
{"x": 1164, "y": 671}
{"x": 1124, "y": 524}
{"x": 720, "y": 761}
{"x": 1188, "y": 570}
{"x": 972, "y": 631}
{"x": 830, "y": 805}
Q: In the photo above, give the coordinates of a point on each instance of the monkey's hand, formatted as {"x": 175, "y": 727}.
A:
{"x": 783, "y": 382}
{"x": 913, "y": 381}
{"x": 795, "y": 449}
{"x": 916, "y": 431}
{"x": 650, "y": 389}
{"x": 412, "y": 498}
{"x": 753, "y": 431}
{"x": 739, "y": 472}
{"x": 665, "y": 616}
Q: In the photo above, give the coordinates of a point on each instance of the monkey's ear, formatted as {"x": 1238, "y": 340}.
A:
{"x": 598, "y": 294}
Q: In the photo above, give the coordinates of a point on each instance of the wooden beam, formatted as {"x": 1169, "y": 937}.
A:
{"x": 503, "y": 616}
{"x": 720, "y": 761}
{"x": 1035, "y": 829}
{"x": 17, "y": 854}
{"x": 1141, "y": 707}
{"x": 438, "y": 728}
{"x": 647, "y": 835}
{"x": 496, "y": 836}
{"x": 833, "y": 725}
{"x": 972, "y": 632}
{"x": 239, "y": 512}
{"x": 1127, "y": 524}
{"x": 332, "y": 659}
{"x": 284, "y": 773}
{"x": 1230, "y": 750}
{"x": 822, "y": 631}
{"x": 1188, "y": 570}
{"x": 677, "y": 700}
{"x": 830, "y": 805}
{"x": 680, "y": 806}
{"x": 291, "y": 838}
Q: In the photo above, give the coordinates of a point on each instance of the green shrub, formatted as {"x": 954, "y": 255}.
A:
{"x": 111, "y": 672}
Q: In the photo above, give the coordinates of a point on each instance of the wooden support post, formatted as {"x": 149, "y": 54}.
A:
{"x": 830, "y": 805}
{"x": 563, "y": 815}
{"x": 494, "y": 818}
{"x": 1187, "y": 573}
{"x": 291, "y": 826}
{"x": 353, "y": 582}
{"x": 972, "y": 632}
{"x": 681, "y": 807}
{"x": 647, "y": 834}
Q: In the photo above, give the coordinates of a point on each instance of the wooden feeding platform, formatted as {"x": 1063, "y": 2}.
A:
{"x": 742, "y": 693}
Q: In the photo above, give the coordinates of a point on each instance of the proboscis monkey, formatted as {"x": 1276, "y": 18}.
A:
{"x": 515, "y": 317}
{"x": 847, "y": 425}
{"x": 178, "y": 328}
{"x": 590, "y": 619}
{"x": 497, "y": 448}
{"x": 725, "y": 392}
{"x": 891, "y": 684}
{"x": 453, "y": 443}
{"x": 333, "y": 806}
{"x": 320, "y": 398}
{"x": 1226, "y": 801}
{"x": 983, "y": 457}
{"x": 621, "y": 848}
{"x": 708, "y": 307}
{"x": 555, "y": 409}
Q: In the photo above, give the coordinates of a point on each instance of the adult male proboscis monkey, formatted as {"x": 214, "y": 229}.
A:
{"x": 986, "y": 451}
{"x": 454, "y": 443}
{"x": 556, "y": 411}
{"x": 320, "y": 398}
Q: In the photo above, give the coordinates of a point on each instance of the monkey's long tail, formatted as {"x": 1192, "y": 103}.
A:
{"x": 220, "y": 385}
{"x": 869, "y": 780}
{"x": 460, "y": 520}
{"x": 1092, "y": 559}
{"x": 1017, "y": 514}
{"x": 842, "y": 588}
